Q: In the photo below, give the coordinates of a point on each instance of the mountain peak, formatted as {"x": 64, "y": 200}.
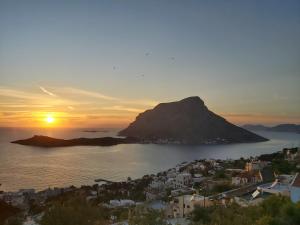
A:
{"x": 193, "y": 99}
{"x": 186, "y": 103}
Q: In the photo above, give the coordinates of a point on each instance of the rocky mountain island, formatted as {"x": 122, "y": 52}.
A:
{"x": 187, "y": 121}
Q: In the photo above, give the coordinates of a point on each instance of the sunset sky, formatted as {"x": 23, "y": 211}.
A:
{"x": 100, "y": 63}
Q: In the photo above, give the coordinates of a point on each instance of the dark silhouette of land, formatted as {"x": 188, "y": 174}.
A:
{"x": 186, "y": 122}
{"x": 293, "y": 128}
{"x": 95, "y": 131}
{"x": 7, "y": 211}
{"x": 44, "y": 141}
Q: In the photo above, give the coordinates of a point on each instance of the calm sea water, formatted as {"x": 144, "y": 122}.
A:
{"x": 35, "y": 167}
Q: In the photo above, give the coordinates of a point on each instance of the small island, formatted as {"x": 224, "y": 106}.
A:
{"x": 44, "y": 141}
{"x": 95, "y": 131}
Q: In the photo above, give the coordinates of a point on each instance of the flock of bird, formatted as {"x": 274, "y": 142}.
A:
{"x": 147, "y": 54}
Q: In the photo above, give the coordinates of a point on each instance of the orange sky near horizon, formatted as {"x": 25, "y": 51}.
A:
{"x": 66, "y": 120}
{"x": 73, "y": 107}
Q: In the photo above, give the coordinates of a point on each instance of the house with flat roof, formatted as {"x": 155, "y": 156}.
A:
{"x": 246, "y": 177}
{"x": 183, "y": 205}
{"x": 281, "y": 187}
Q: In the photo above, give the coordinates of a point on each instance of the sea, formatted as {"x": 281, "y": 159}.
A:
{"x": 39, "y": 168}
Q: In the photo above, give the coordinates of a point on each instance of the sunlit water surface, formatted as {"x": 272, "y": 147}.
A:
{"x": 35, "y": 167}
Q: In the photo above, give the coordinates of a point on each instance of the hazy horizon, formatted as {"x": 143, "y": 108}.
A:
{"x": 100, "y": 63}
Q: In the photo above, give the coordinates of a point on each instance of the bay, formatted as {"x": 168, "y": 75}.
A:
{"x": 40, "y": 168}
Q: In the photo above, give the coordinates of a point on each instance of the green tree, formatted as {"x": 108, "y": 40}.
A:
{"x": 202, "y": 215}
{"x": 74, "y": 212}
{"x": 7, "y": 211}
{"x": 276, "y": 210}
{"x": 144, "y": 216}
{"x": 14, "y": 221}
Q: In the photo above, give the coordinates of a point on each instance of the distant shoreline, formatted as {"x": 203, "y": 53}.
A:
{"x": 95, "y": 131}
{"x": 49, "y": 142}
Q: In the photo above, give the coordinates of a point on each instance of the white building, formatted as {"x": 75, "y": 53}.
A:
{"x": 157, "y": 188}
{"x": 285, "y": 178}
{"x": 239, "y": 180}
{"x": 284, "y": 188}
{"x": 198, "y": 178}
{"x": 121, "y": 203}
{"x": 291, "y": 155}
{"x": 275, "y": 188}
{"x": 182, "y": 180}
{"x": 199, "y": 165}
{"x": 185, "y": 204}
{"x": 170, "y": 183}
{"x": 171, "y": 173}
{"x": 157, "y": 184}
{"x": 245, "y": 178}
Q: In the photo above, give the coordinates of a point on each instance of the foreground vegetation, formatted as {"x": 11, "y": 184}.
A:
{"x": 74, "y": 212}
{"x": 7, "y": 211}
{"x": 273, "y": 211}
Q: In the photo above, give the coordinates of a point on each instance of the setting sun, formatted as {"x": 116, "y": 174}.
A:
{"x": 50, "y": 119}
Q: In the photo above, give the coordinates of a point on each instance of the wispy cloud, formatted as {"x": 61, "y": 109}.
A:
{"x": 93, "y": 94}
{"x": 27, "y": 106}
{"x": 71, "y": 90}
{"x": 47, "y": 92}
{"x": 18, "y": 94}
{"x": 29, "y": 98}
{"x": 141, "y": 102}
{"x": 123, "y": 108}
{"x": 21, "y": 105}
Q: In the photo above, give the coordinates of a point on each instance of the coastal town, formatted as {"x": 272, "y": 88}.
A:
{"x": 174, "y": 193}
{"x": 158, "y": 112}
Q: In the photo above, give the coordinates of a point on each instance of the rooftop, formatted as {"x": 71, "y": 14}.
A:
{"x": 277, "y": 187}
{"x": 296, "y": 181}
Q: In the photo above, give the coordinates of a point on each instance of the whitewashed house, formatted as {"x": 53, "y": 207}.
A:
{"x": 183, "y": 205}
{"x": 183, "y": 180}
{"x": 157, "y": 184}
{"x": 121, "y": 203}
{"x": 239, "y": 180}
